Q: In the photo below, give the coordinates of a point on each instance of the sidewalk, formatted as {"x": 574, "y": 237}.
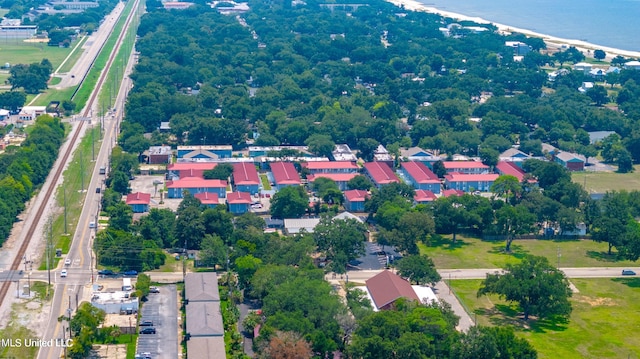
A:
{"x": 444, "y": 293}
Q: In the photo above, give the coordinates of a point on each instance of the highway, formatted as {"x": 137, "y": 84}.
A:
{"x": 70, "y": 290}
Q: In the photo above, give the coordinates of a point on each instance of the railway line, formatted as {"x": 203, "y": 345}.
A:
{"x": 49, "y": 193}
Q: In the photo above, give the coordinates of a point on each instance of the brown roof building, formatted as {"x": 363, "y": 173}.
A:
{"x": 385, "y": 288}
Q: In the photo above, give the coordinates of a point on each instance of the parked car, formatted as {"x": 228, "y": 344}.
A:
{"x": 148, "y": 330}
{"x": 628, "y": 272}
{"x": 106, "y": 272}
{"x": 67, "y": 262}
{"x": 130, "y": 272}
{"x": 146, "y": 323}
{"x": 63, "y": 273}
{"x": 154, "y": 290}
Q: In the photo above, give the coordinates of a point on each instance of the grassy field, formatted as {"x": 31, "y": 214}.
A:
{"x": 475, "y": 253}
{"x": 604, "y": 322}
{"x": 265, "y": 182}
{"x": 27, "y": 53}
{"x": 601, "y": 182}
{"x": 75, "y": 55}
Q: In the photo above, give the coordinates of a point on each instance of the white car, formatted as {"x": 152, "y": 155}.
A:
{"x": 63, "y": 273}
{"x": 67, "y": 262}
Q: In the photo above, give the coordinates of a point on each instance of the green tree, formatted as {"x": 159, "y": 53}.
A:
{"x": 322, "y": 145}
{"x": 328, "y": 190}
{"x": 359, "y": 182}
{"x": 142, "y": 285}
{"x": 611, "y": 223}
{"x": 246, "y": 266}
{"x": 120, "y": 216}
{"x": 507, "y": 186}
{"x": 598, "y": 94}
{"x": 190, "y": 229}
{"x": 539, "y": 288}
{"x": 418, "y": 269}
{"x": 492, "y": 342}
{"x": 599, "y": 54}
{"x": 341, "y": 241}
{"x": 221, "y": 171}
{"x": 512, "y": 221}
{"x": 366, "y": 148}
{"x": 290, "y": 202}
{"x": 213, "y": 251}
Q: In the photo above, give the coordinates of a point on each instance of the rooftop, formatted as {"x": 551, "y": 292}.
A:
{"x": 356, "y": 195}
{"x": 424, "y": 196}
{"x": 386, "y": 287}
{"x": 510, "y": 168}
{"x": 239, "y": 198}
{"x": 201, "y": 287}
{"x": 196, "y": 182}
{"x": 464, "y": 164}
{"x": 204, "y": 319}
{"x": 323, "y": 165}
{"x": 381, "y": 173}
{"x": 420, "y": 173}
{"x": 138, "y": 198}
{"x": 245, "y": 173}
{"x": 207, "y": 197}
{"x": 336, "y": 177}
{"x": 182, "y": 166}
{"x": 463, "y": 177}
{"x": 284, "y": 173}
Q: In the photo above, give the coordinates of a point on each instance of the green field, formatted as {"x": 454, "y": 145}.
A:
{"x": 475, "y": 253}
{"x": 601, "y": 182}
{"x": 604, "y": 322}
{"x": 27, "y": 53}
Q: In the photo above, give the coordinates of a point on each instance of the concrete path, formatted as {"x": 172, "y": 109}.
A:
{"x": 443, "y": 292}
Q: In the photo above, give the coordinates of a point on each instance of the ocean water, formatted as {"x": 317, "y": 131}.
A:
{"x": 608, "y": 23}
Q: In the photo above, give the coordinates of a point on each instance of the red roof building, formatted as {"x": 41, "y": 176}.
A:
{"x": 340, "y": 179}
{"x": 420, "y": 176}
{"x": 470, "y": 182}
{"x": 452, "y": 192}
{"x": 385, "y": 288}
{"x": 354, "y": 200}
{"x": 510, "y": 168}
{"x": 189, "y": 169}
{"x": 245, "y": 177}
{"x": 207, "y": 198}
{"x": 424, "y": 196}
{"x": 467, "y": 167}
{"x": 316, "y": 167}
{"x": 195, "y": 185}
{"x": 380, "y": 173}
{"x": 138, "y": 198}
{"x": 239, "y": 198}
{"x": 284, "y": 174}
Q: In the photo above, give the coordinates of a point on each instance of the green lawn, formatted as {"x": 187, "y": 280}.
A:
{"x": 265, "y": 182}
{"x": 474, "y": 253}
{"x": 26, "y": 53}
{"x": 604, "y": 322}
{"x": 601, "y": 182}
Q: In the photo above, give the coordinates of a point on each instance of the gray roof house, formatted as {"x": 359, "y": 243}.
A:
{"x": 204, "y": 319}
{"x": 206, "y": 348}
{"x": 201, "y": 287}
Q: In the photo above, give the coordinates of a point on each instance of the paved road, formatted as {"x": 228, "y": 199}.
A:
{"x": 162, "y": 309}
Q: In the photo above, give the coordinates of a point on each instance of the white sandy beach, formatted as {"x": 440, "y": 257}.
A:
{"x": 550, "y": 40}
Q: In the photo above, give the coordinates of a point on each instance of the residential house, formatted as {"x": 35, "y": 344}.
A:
{"x": 201, "y": 287}
{"x": 208, "y": 199}
{"x": 239, "y": 202}
{"x": 381, "y": 154}
{"x": 354, "y": 200}
{"x": 188, "y": 169}
{"x": 470, "y": 182}
{"x": 582, "y": 67}
{"x": 586, "y": 86}
{"x": 597, "y": 73}
{"x": 245, "y": 178}
{"x": 341, "y": 179}
{"x": 347, "y": 215}
{"x": 380, "y": 173}
{"x": 297, "y": 225}
{"x": 632, "y": 65}
{"x": 164, "y": 127}
{"x": 343, "y": 153}
{"x": 570, "y": 161}
{"x": 519, "y": 48}
{"x": 330, "y": 167}
{"x": 159, "y": 155}
{"x": 424, "y": 196}
{"x": 195, "y": 153}
{"x": 420, "y": 176}
{"x": 285, "y": 174}
{"x": 385, "y": 288}
{"x": 139, "y": 202}
{"x": 257, "y": 151}
{"x": 465, "y": 167}
{"x": 553, "y": 75}
{"x": 514, "y": 155}
{"x": 29, "y": 113}
{"x": 195, "y": 185}
{"x": 4, "y": 114}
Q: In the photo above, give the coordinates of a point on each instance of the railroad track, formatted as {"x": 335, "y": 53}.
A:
{"x": 15, "y": 265}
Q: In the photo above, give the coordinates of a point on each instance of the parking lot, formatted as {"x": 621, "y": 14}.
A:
{"x": 162, "y": 310}
{"x": 375, "y": 258}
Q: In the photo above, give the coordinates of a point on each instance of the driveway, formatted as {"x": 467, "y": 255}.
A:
{"x": 162, "y": 309}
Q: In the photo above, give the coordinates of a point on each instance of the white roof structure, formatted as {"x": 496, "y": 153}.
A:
{"x": 296, "y": 225}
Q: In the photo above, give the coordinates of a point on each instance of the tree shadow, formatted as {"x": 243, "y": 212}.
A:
{"x": 505, "y": 314}
{"x": 629, "y": 282}
{"x": 447, "y": 243}
{"x": 517, "y": 251}
{"x": 603, "y": 256}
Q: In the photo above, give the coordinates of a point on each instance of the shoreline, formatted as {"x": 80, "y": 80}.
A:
{"x": 550, "y": 40}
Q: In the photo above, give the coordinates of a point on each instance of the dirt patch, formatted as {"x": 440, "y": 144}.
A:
{"x": 595, "y": 301}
